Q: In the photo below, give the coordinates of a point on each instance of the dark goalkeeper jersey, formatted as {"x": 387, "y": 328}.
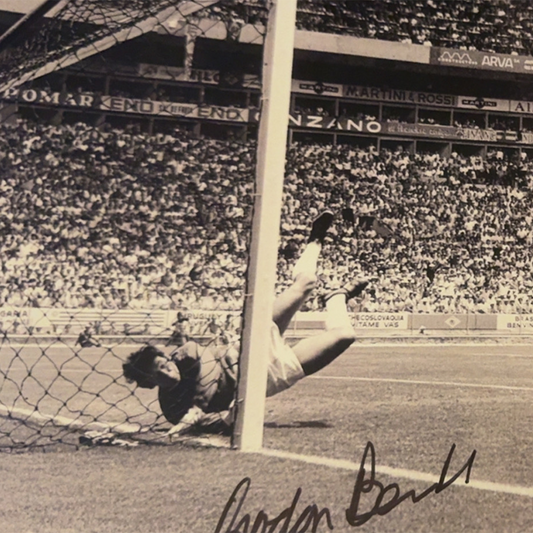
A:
{"x": 208, "y": 380}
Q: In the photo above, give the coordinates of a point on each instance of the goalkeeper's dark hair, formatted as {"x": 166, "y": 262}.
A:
{"x": 138, "y": 366}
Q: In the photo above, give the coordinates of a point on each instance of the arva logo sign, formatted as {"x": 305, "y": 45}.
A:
{"x": 458, "y": 58}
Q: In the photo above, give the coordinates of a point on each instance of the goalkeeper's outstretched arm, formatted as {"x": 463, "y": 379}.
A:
{"x": 196, "y": 417}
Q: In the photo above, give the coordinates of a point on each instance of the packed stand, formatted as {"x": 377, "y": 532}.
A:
{"x": 432, "y": 234}
{"x": 118, "y": 219}
{"x": 113, "y": 219}
{"x": 502, "y": 26}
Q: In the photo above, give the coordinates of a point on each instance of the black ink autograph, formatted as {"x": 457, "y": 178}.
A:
{"x": 310, "y": 516}
{"x": 387, "y": 498}
{"x": 363, "y": 485}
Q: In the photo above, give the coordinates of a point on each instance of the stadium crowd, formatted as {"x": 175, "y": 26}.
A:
{"x": 502, "y": 26}
{"x": 442, "y": 235}
{"x": 490, "y": 25}
{"x": 110, "y": 218}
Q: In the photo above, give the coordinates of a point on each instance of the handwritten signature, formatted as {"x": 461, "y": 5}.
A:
{"x": 387, "y": 498}
{"x": 363, "y": 485}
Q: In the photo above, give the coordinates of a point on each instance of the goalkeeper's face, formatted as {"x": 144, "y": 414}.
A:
{"x": 165, "y": 372}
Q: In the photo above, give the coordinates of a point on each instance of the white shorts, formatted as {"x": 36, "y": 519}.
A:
{"x": 284, "y": 369}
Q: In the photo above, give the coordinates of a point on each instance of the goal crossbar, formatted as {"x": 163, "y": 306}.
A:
{"x": 142, "y": 27}
{"x": 16, "y": 31}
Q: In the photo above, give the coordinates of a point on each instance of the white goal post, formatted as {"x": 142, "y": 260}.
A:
{"x": 278, "y": 51}
{"x": 271, "y": 150}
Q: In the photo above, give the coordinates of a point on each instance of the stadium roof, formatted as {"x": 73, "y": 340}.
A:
{"x": 24, "y": 6}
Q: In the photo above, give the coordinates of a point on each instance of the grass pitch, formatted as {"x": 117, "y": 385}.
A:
{"x": 412, "y": 403}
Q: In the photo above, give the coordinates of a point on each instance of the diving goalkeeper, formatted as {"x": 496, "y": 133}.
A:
{"x": 197, "y": 383}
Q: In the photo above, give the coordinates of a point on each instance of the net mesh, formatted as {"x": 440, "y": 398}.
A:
{"x": 127, "y": 157}
{"x": 80, "y": 29}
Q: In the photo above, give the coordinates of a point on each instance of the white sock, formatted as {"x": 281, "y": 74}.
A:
{"x": 308, "y": 261}
{"x": 337, "y": 313}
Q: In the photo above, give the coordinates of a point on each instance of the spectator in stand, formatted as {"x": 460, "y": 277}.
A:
{"x": 502, "y": 26}
{"x": 113, "y": 218}
{"x": 182, "y": 331}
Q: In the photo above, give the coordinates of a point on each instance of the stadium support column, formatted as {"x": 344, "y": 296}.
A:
{"x": 272, "y": 143}
{"x": 8, "y": 113}
{"x": 191, "y": 34}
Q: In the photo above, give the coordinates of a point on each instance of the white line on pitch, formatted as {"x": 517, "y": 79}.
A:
{"x": 471, "y": 344}
{"x": 361, "y": 347}
{"x": 61, "y": 369}
{"x": 503, "y": 354}
{"x": 59, "y": 346}
{"x": 31, "y": 414}
{"x": 500, "y": 350}
{"x": 412, "y": 475}
{"x": 418, "y": 382}
{"x": 56, "y": 344}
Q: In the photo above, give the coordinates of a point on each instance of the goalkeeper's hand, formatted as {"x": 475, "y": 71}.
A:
{"x": 178, "y": 429}
{"x": 193, "y": 416}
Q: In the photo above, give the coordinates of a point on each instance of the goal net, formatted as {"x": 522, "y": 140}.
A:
{"x": 128, "y": 152}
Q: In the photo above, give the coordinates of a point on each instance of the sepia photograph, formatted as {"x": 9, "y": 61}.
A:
{"x": 266, "y": 266}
